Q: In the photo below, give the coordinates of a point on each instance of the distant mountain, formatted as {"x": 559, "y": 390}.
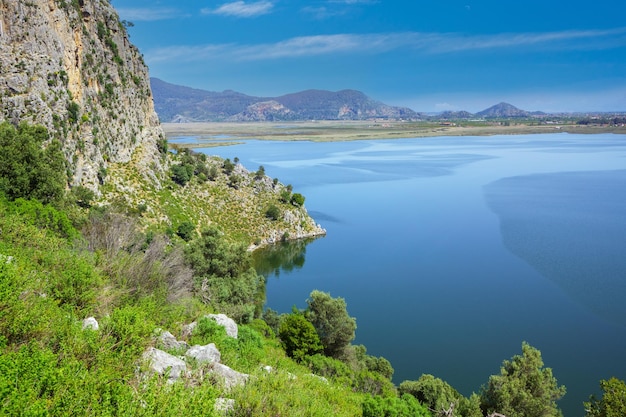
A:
{"x": 503, "y": 110}
{"x": 183, "y": 104}
{"x": 455, "y": 115}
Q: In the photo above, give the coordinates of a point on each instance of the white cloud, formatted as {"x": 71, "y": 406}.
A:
{"x": 147, "y": 14}
{"x": 430, "y": 43}
{"x": 242, "y": 9}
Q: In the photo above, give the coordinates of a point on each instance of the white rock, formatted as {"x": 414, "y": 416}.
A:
{"x": 204, "y": 354}
{"x": 90, "y": 323}
{"x": 163, "y": 363}
{"x": 224, "y": 405}
{"x": 230, "y": 377}
{"x": 229, "y": 324}
{"x": 168, "y": 341}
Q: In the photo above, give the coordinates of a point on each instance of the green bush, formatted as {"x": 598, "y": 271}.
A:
{"x": 27, "y": 169}
{"x": 186, "y": 230}
{"x": 297, "y": 199}
{"x": 299, "y": 337}
{"x": 224, "y": 274}
{"x": 405, "y": 406}
{"x": 273, "y": 212}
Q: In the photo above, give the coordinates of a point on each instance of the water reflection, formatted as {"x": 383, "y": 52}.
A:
{"x": 284, "y": 256}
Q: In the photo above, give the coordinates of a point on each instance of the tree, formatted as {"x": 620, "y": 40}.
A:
{"x": 524, "y": 388}
{"x": 273, "y": 212}
{"x": 297, "y": 199}
{"x": 224, "y": 274}
{"x": 613, "y": 402}
{"x": 27, "y": 169}
{"x": 186, "y": 230}
{"x": 330, "y": 318}
{"x": 299, "y": 337}
{"x": 434, "y": 393}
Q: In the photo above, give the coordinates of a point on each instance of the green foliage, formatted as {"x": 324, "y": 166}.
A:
{"x": 524, "y": 387}
{"x": 27, "y": 169}
{"x": 186, "y": 230}
{"x": 43, "y": 216}
{"x": 181, "y": 174}
{"x": 224, "y": 274}
{"x": 299, "y": 337}
{"x": 433, "y": 392}
{"x": 260, "y": 173}
{"x": 330, "y": 318}
{"x": 72, "y": 112}
{"x": 613, "y": 401}
{"x": 228, "y": 166}
{"x": 82, "y": 196}
{"x": 297, "y": 199}
{"x": 273, "y": 212}
{"x": 162, "y": 145}
{"x": 404, "y": 406}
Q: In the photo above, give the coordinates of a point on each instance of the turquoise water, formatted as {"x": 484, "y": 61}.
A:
{"x": 451, "y": 251}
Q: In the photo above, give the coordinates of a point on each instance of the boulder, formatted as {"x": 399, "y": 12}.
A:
{"x": 167, "y": 341}
{"x": 228, "y": 376}
{"x": 222, "y": 319}
{"x": 90, "y": 323}
{"x": 188, "y": 329}
{"x": 204, "y": 354}
{"x": 229, "y": 324}
{"x": 163, "y": 363}
{"x": 224, "y": 406}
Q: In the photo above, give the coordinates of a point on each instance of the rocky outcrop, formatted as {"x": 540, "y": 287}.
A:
{"x": 69, "y": 65}
{"x": 223, "y": 320}
{"x": 227, "y": 323}
{"x": 162, "y": 363}
{"x": 204, "y": 354}
{"x": 167, "y": 341}
{"x": 205, "y": 358}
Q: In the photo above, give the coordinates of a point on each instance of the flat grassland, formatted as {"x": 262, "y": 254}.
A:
{"x": 221, "y": 133}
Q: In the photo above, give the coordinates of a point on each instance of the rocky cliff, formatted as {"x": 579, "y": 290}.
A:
{"x": 69, "y": 65}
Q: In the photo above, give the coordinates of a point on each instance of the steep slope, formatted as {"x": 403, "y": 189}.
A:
{"x": 68, "y": 65}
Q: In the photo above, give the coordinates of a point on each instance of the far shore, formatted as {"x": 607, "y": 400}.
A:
{"x": 206, "y": 134}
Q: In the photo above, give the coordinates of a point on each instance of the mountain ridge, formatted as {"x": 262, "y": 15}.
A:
{"x": 179, "y": 103}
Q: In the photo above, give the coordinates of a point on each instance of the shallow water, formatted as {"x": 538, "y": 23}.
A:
{"x": 451, "y": 251}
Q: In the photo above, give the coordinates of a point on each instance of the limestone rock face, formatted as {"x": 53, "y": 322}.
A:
{"x": 69, "y": 65}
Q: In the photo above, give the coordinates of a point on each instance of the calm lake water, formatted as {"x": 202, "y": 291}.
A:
{"x": 451, "y": 251}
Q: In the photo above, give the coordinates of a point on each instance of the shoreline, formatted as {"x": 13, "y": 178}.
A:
{"x": 208, "y": 134}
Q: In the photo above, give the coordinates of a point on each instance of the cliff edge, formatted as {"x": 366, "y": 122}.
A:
{"x": 69, "y": 65}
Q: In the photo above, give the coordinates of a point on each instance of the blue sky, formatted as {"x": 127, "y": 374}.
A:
{"x": 429, "y": 55}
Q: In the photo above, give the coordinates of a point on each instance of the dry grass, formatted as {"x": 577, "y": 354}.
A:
{"x": 219, "y": 134}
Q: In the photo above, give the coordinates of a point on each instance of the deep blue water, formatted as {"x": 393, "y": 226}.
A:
{"x": 451, "y": 251}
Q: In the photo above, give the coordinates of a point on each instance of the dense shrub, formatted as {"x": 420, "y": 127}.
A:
{"x": 405, "y": 406}
{"x": 299, "y": 337}
{"x": 27, "y": 168}
{"x": 224, "y": 274}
